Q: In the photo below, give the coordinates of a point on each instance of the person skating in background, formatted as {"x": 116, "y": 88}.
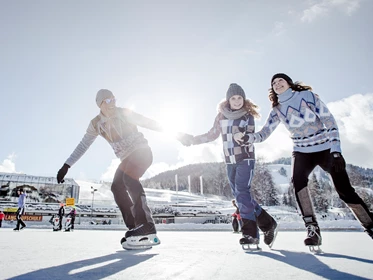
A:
{"x": 1, "y": 218}
{"x": 236, "y": 113}
{"x": 21, "y": 210}
{"x": 236, "y": 220}
{"x": 119, "y": 127}
{"x": 72, "y": 215}
{"x": 61, "y": 213}
{"x": 316, "y": 141}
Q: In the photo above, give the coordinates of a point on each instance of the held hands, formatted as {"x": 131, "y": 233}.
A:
{"x": 338, "y": 162}
{"x": 243, "y": 139}
{"x": 238, "y": 137}
{"x": 62, "y": 173}
{"x": 185, "y": 139}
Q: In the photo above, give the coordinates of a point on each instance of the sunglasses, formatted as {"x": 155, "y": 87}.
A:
{"x": 109, "y": 100}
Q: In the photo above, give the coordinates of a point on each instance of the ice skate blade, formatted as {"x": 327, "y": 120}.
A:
{"x": 274, "y": 238}
{"x": 315, "y": 249}
{"x": 126, "y": 246}
{"x": 251, "y": 248}
{"x": 140, "y": 242}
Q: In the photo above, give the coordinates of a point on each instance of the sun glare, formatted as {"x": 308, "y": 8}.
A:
{"x": 172, "y": 121}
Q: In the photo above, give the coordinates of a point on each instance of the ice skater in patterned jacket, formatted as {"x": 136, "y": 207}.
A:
{"x": 236, "y": 113}
{"x": 118, "y": 126}
{"x": 316, "y": 141}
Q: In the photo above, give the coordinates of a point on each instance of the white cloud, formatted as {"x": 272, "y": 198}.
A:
{"x": 210, "y": 152}
{"x": 354, "y": 116}
{"x": 8, "y": 164}
{"x": 323, "y": 7}
{"x": 276, "y": 146}
{"x": 279, "y": 28}
{"x": 108, "y": 175}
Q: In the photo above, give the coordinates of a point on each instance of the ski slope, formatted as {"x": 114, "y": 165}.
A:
{"x": 97, "y": 254}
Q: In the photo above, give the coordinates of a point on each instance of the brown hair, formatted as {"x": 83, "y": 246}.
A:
{"x": 248, "y": 105}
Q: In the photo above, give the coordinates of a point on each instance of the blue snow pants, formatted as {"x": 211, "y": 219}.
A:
{"x": 239, "y": 176}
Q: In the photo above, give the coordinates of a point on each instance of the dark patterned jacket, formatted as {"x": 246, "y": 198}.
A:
{"x": 226, "y": 126}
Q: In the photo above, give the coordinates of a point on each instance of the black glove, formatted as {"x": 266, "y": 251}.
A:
{"x": 185, "y": 139}
{"x": 61, "y": 173}
{"x": 338, "y": 162}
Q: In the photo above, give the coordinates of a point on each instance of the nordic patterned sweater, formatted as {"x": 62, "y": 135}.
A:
{"x": 227, "y": 123}
{"x": 311, "y": 125}
{"x": 120, "y": 131}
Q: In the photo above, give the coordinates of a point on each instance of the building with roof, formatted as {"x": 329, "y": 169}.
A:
{"x": 37, "y": 188}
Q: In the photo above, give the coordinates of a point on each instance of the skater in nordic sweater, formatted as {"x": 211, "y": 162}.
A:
{"x": 119, "y": 127}
{"x": 315, "y": 136}
{"x": 21, "y": 210}
{"x": 235, "y": 114}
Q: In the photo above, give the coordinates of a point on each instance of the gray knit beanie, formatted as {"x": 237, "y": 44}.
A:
{"x": 235, "y": 89}
{"x": 103, "y": 94}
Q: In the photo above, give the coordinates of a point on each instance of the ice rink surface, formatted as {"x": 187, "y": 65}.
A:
{"x": 97, "y": 254}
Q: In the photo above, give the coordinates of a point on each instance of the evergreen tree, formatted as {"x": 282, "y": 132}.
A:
{"x": 318, "y": 196}
{"x": 263, "y": 187}
{"x": 282, "y": 172}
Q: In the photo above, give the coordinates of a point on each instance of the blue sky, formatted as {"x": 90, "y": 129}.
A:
{"x": 173, "y": 61}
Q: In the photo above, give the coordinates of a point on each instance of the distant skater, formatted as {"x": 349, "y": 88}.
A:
{"x": 1, "y": 217}
{"x": 61, "y": 214}
{"x": 236, "y": 220}
{"x": 72, "y": 215}
{"x": 21, "y": 210}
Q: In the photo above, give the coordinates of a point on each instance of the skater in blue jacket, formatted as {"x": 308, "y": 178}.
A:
{"x": 236, "y": 113}
{"x": 315, "y": 136}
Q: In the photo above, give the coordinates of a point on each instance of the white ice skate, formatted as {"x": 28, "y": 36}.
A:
{"x": 140, "y": 242}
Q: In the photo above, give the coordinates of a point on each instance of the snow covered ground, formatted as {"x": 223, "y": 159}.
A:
{"x": 96, "y": 254}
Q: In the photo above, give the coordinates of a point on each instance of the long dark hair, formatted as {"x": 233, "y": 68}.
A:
{"x": 297, "y": 86}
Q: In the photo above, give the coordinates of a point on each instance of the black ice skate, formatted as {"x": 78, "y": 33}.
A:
{"x": 250, "y": 243}
{"x": 270, "y": 235}
{"x": 143, "y": 236}
{"x": 313, "y": 239}
{"x": 369, "y": 231}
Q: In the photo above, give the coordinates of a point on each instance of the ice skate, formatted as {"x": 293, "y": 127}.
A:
{"x": 270, "y": 235}
{"x": 313, "y": 240}
{"x": 22, "y": 227}
{"x": 369, "y": 231}
{"x": 250, "y": 244}
{"x": 142, "y": 237}
{"x": 268, "y": 226}
{"x": 16, "y": 229}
